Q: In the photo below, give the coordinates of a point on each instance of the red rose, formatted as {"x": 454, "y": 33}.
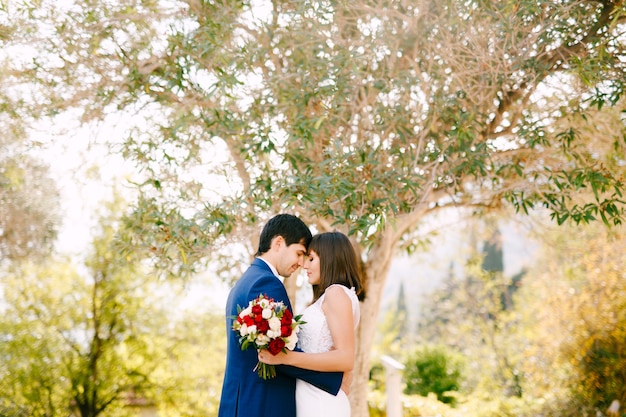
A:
{"x": 258, "y": 318}
{"x": 285, "y": 330}
{"x": 287, "y": 317}
{"x": 248, "y": 320}
{"x": 263, "y": 326}
{"x": 257, "y": 310}
{"x": 276, "y": 345}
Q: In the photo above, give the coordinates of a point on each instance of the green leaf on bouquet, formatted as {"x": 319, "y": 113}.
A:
{"x": 244, "y": 343}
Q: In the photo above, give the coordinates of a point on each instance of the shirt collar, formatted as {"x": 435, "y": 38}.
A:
{"x": 274, "y": 270}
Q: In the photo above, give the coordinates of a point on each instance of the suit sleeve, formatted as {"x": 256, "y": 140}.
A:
{"x": 326, "y": 381}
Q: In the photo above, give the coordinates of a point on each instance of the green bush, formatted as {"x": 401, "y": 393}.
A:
{"x": 433, "y": 370}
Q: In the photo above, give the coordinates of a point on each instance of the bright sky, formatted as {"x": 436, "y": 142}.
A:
{"x": 85, "y": 173}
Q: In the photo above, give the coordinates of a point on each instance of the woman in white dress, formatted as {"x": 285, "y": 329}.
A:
{"x": 327, "y": 338}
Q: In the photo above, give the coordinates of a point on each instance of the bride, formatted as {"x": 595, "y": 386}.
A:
{"x": 327, "y": 337}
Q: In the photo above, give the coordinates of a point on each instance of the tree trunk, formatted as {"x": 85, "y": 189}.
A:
{"x": 376, "y": 277}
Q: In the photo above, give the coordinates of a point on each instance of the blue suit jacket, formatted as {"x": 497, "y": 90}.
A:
{"x": 244, "y": 393}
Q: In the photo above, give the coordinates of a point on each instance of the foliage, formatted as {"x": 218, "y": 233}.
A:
{"x": 560, "y": 336}
{"x": 29, "y": 212}
{"x": 303, "y": 92}
{"x": 394, "y": 333}
{"x": 433, "y": 369}
{"x": 188, "y": 381}
{"x": 412, "y": 406}
{"x": 85, "y": 340}
{"x": 576, "y": 306}
{"x": 474, "y": 315}
{"x": 364, "y": 116}
{"x": 376, "y": 380}
{"x": 78, "y": 344}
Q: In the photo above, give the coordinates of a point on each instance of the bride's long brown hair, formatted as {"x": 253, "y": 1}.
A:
{"x": 338, "y": 262}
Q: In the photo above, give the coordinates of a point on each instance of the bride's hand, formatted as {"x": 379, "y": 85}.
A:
{"x": 266, "y": 357}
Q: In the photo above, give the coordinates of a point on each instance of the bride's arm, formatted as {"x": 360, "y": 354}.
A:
{"x": 337, "y": 308}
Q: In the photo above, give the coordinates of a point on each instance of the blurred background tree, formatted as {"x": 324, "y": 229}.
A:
{"x": 554, "y": 349}
{"x": 475, "y": 315}
{"x": 575, "y": 320}
{"x": 29, "y": 208}
{"x": 89, "y": 340}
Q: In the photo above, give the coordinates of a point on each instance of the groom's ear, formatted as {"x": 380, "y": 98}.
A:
{"x": 277, "y": 242}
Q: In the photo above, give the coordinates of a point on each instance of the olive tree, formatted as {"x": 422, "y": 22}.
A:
{"x": 364, "y": 116}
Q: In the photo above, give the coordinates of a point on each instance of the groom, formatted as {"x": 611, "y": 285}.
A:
{"x": 282, "y": 247}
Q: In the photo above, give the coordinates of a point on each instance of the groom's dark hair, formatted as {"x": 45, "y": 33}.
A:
{"x": 290, "y": 227}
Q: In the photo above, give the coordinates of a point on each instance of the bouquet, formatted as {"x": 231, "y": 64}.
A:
{"x": 267, "y": 324}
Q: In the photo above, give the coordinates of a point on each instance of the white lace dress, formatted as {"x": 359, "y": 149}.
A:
{"x": 315, "y": 337}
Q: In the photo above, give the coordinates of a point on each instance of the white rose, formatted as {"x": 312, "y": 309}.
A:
{"x": 267, "y": 313}
{"x": 243, "y": 330}
{"x": 252, "y": 329}
{"x": 290, "y": 342}
{"x": 274, "y": 323}
{"x": 264, "y": 303}
{"x": 273, "y": 334}
{"x": 246, "y": 311}
{"x": 262, "y": 340}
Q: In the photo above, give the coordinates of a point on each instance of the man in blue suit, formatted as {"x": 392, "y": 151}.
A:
{"x": 282, "y": 247}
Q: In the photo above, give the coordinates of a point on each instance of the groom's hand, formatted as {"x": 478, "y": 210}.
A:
{"x": 281, "y": 358}
{"x": 347, "y": 382}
